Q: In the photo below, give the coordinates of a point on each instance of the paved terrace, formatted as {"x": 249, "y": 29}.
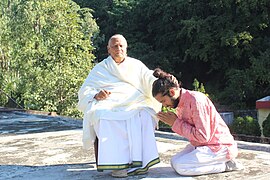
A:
{"x": 46, "y": 147}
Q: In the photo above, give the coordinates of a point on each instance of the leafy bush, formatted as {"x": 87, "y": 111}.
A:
{"x": 266, "y": 126}
{"x": 163, "y": 125}
{"x": 48, "y": 50}
{"x": 166, "y": 109}
{"x": 246, "y": 125}
{"x": 199, "y": 87}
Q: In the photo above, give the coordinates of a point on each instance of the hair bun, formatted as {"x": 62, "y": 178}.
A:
{"x": 158, "y": 73}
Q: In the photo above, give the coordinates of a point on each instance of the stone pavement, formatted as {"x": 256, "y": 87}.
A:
{"x": 41, "y": 147}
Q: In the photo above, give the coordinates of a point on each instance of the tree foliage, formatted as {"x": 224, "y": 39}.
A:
{"x": 223, "y": 43}
{"x": 49, "y": 45}
{"x": 113, "y": 16}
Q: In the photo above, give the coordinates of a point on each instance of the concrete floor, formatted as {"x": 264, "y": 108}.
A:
{"x": 45, "y": 147}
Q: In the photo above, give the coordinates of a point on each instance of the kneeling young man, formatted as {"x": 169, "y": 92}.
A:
{"x": 212, "y": 148}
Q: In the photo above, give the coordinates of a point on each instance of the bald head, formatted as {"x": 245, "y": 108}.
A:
{"x": 117, "y": 36}
{"x": 117, "y": 48}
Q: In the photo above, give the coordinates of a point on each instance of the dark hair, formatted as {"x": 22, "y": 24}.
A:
{"x": 164, "y": 83}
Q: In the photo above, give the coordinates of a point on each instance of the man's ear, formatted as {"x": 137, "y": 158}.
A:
{"x": 172, "y": 92}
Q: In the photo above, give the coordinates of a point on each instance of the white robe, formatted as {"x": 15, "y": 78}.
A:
{"x": 126, "y": 144}
{"x": 130, "y": 84}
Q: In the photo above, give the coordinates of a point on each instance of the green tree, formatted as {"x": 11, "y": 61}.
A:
{"x": 8, "y": 78}
{"x": 224, "y": 43}
{"x": 112, "y": 17}
{"x": 199, "y": 87}
{"x": 51, "y": 53}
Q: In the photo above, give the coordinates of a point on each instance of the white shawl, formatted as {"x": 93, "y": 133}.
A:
{"x": 130, "y": 84}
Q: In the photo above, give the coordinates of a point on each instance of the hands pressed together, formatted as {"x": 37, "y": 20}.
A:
{"x": 167, "y": 117}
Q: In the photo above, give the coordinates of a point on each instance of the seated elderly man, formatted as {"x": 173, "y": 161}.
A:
{"x": 119, "y": 110}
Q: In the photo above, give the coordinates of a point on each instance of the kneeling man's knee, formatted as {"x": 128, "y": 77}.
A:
{"x": 178, "y": 167}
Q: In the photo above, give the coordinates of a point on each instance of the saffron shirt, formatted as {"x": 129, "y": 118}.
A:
{"x": 199, "y": 122}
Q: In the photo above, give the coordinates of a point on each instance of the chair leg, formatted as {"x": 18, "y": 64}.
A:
{"x": 96, "y": 150}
